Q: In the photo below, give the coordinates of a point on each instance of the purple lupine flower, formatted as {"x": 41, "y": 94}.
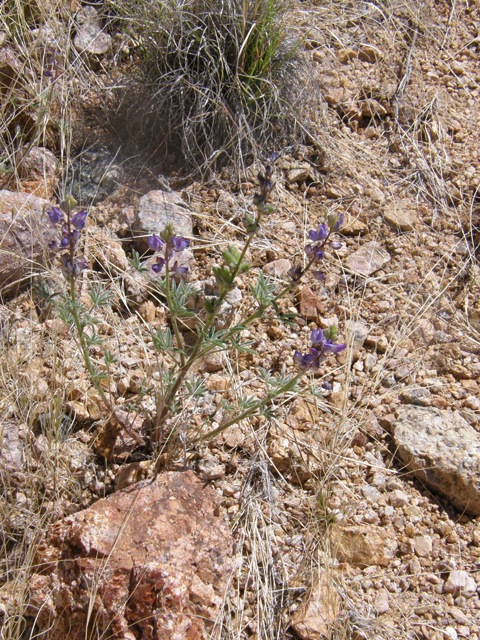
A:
{"x": 72, "y": 269}
{"x": 313, "y": 251}
{"x": 158, "y": 266}
{"x": 320, "y": 234}
{"x": 69, "y": 239}
{"x": 334, "y": 348}
{"x": 179, "y": 243}
{"x": 317, "y": 337}
{"x": 316, "y": 353}
{"x": 79, "y": 219}
{"x": 307, "y": 361}
{"x": 155, "y": 243}
{"x": 55, "y": 215}
{"x": 178, "y": 270}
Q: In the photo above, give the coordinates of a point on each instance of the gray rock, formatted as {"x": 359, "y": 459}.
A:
{"x": 399, "y": 215}
{"x": 460, "y": 583}
{"x": 95, "y": 174}
{"x": 416, "y": 395}
{"x": 25, "y": 233}
{"x": 299, "y": 173}
{"x": 37, "y": 169}
{"x": 11, "y": 454}
{"x": 443, "y": 451}
{"x": 368, "y": 259}
{"x": 90, "y": 37}
{"x": 156, "y": 210}
{"x": 423, "y": 546}
{"x": 381, "y": 604}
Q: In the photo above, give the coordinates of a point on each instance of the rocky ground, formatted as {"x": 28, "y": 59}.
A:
{"x": 351, "y": 514}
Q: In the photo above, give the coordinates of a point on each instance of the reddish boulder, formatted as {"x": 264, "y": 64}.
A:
{"x": 151, "y": 561}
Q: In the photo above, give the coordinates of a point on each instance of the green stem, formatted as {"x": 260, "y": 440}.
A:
{"x": 248, "y": 412}
{"x": 91, "y": 368}
{"x": 285, "y": 290}
{"x": 173, "y": 317}
{"x": 196, "y": 351}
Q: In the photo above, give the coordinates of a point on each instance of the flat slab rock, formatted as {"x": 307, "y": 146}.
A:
{"x": 368, "y": 259}
{"x": 443, "y": 451}
{"x": 150, "y": 561}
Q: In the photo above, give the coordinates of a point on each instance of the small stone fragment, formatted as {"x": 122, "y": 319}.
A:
{"x": 369, "y": 53}
{"x": 211, "y": 469}
{"x": 399, "y": 215}
{"x": 416, "y": 395}
{"x": 345, "y": 55}
{"x": 90, "y": 37}
{"x": 398, "y": 499}
{"x": 310, "y": 305}
{"x": 37, "y": 169}
{"x": 132, "y": 473}
{"x": 278, "y": 268}
{"x": 460, "y": 583}
{"x": 381, "y": 603}
{"x": 299, "y": 173}
{"x": 354, "y": 227}
{"x": 423, "y": 546}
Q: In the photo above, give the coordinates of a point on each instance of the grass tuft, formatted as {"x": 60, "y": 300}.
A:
{"x": 219, "y": 75}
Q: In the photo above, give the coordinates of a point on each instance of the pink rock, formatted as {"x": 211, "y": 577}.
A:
{"x": 278, "y": 268}
{"x": 25, "y": 232}
{"x": 315, "y": 619}
{"x": 362, "y": 545}
{"x": 151, "y": 561}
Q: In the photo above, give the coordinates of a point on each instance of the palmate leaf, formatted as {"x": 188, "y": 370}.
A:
{"x": 94, "y": 339}
{"x": 196, "y": 387}
{"x": 136, "y": 262}
{"x": 248, "y": 402}
{"x": 99, "y": 296}
{"x": 264, "y": 290}
{"x": 162, "y": 340}
{"x": 243, "y": 347}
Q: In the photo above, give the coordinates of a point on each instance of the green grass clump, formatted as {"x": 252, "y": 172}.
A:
{"x": 220, "y": 74}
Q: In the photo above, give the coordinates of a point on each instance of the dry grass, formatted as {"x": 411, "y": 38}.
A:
{"x": 218, "y": 80}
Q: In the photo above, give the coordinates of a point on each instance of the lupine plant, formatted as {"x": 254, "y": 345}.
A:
{"x": 176, "y": 381}
{"x": 71, "y": 308}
